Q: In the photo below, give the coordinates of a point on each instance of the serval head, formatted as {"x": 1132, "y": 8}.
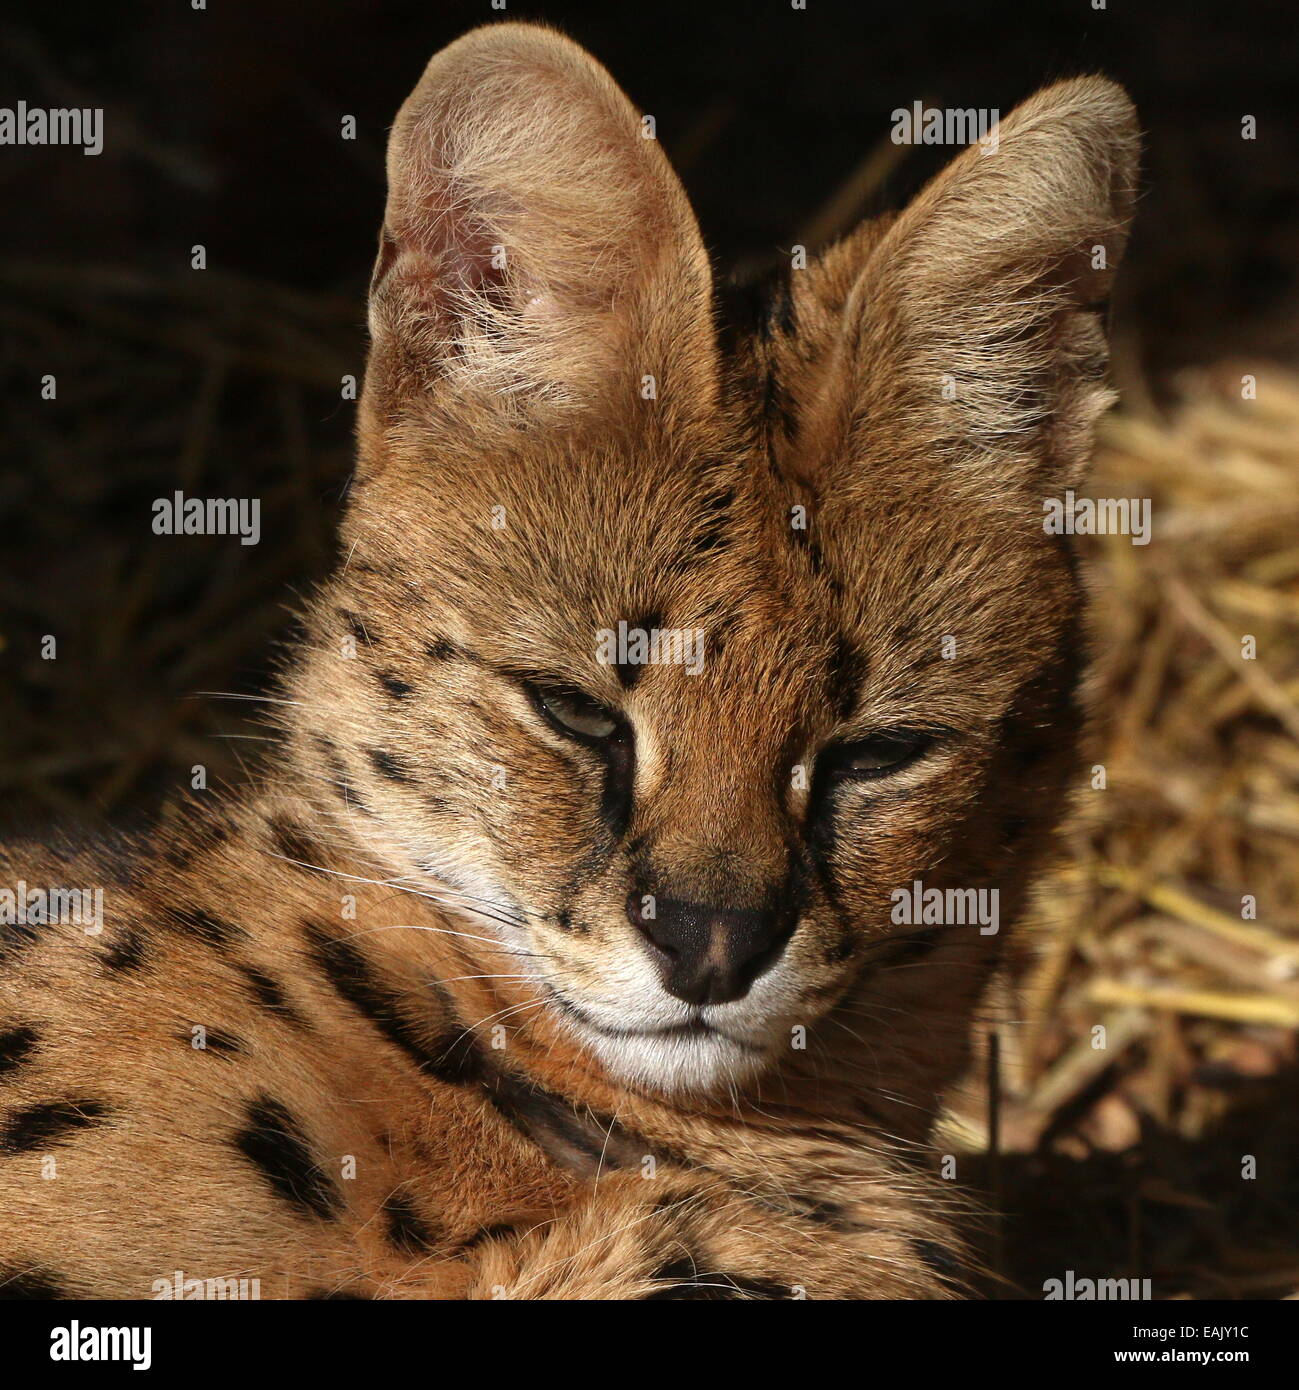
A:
{"x": 697, "y": 656}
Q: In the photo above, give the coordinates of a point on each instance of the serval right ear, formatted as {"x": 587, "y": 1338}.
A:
{"x": 537, "y": 248}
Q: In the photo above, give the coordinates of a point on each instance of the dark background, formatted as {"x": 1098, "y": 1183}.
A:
{"x": 223, "y": 128}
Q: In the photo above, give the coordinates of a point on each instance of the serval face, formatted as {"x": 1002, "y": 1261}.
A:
{"x": 683, "y": 657}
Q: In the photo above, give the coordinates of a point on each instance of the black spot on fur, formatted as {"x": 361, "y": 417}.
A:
{"x": 407, "y": 1230}
{"x": 274, "y": 1143}
{"x": 781, "y": 315}
{"x": 40, "y": 1126}
{"x": 127, "y": 952}
{"x": 395, "y": 687}
{"x": 578, "y": 1139}
{"x": 441, "y": 649}
{"x": 821, "y": 1212}
{"x": 16, "y": 1046}
{"x": 216, "y": 931}
{"x": 267, "y": 991}
{"x": 338, "y": 778}
{"x": 439, "y": 1049}
{"x": 214, "y": 1040}
{"x": 386, "y": 765}
{"x": 292, "y": 842}
{"x": 35, "y": 1283}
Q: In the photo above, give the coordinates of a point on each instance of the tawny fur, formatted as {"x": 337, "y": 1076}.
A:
{"x": 393, "y": 1102}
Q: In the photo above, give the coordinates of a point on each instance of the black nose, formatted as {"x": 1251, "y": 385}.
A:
{"x": 705, "y": 954}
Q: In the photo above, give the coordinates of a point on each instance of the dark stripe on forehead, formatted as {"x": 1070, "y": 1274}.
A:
{"x": 629, "y": 672}
{"x": 846, "y": 675}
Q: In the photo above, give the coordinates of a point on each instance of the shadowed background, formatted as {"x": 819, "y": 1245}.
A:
{"x": 223, "y": 127}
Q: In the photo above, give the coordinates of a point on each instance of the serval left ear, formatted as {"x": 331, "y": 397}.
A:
{"x": 973, "y": 335}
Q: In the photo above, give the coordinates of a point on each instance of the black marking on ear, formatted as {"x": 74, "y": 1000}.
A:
{"x": 215, "y": 1041}
{"x": 31, "y": 1283}
{"x": 292, "y": 842}
{"x": 268, "y": 992}
{"x": 407, "y": 1230}
{"x": 41, "y": 1126}
{"x": 216, "y": 931}
{"x": 846, "y": 676}
{"x": 440, "y": 1049}
{"x": 386, "y": 765}
{"x": 126, "y": 954}
{"x": 357, "y": 628}
{"x": 394, "y": 685}
{"x": 16, "y": 1046}
{"x": 274, "y": 1143}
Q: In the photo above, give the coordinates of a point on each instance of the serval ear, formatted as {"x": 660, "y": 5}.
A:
{"x": 537, "y": 248}
{"x": 973, "y": 335}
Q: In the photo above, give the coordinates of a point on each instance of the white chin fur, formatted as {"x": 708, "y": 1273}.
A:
{"x": 675, "y": 1065}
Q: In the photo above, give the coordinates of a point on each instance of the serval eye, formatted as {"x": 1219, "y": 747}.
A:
{"x": 576, "y": 714}
{"x": 881, "y": 754}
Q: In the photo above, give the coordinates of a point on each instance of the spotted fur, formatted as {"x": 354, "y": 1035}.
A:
{"x": 442, "y": 1057}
